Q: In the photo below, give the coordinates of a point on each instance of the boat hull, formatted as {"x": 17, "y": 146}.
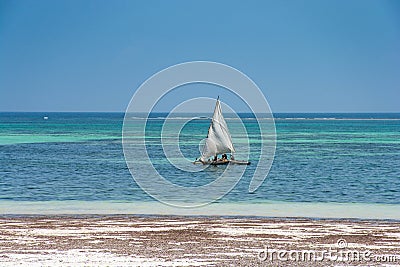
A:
{"x": 225, "y": 162}
{"x": 240, "y": 162}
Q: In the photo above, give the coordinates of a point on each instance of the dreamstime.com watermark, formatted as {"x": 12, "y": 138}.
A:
{"x": 339, "y": 252}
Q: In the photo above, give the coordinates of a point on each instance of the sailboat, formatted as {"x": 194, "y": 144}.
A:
{"x": 218, "y": 142}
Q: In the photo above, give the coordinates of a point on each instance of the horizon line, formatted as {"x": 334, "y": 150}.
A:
{"x": 288, "y": 112}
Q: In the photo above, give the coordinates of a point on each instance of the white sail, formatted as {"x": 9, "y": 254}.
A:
{"x": 218, "y": 140}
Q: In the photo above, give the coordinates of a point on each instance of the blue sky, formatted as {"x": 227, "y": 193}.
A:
{"x": 306, "y": 56}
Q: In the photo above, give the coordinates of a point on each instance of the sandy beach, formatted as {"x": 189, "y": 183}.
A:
{"x": 128, "y": 240}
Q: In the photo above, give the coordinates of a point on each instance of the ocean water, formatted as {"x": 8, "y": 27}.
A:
{"x": 320, "y": 159}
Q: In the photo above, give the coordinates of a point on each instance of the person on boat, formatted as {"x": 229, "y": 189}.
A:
{"x": 232, "y": 157}
{"x": 224, "y": 157}
{"x": 215, "y": 158}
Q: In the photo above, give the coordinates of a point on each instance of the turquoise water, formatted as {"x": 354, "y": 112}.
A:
{"x": 320, "y": 158}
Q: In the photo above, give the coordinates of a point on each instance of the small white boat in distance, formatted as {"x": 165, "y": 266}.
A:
{"x": 218, "y": 142}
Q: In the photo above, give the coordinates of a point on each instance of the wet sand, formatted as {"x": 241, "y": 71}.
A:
{"x": 119, "y": 240}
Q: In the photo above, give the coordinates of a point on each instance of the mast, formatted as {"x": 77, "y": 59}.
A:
{"x": 212, "y": 118}
{"x": 209, "y": 127}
